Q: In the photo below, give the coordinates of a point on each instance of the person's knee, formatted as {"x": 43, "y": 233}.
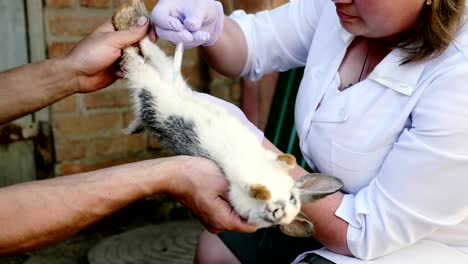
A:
{"x": 210, "y": 249}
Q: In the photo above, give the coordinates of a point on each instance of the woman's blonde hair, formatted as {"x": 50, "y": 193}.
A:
{"x": 434, "y": 31}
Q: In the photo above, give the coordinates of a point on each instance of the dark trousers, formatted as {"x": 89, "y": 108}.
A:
{"x": 269, "y": 245}
{"x": 315, "y": 259}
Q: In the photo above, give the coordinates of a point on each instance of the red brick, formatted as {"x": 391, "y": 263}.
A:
{"x": 70, "y": 150}
{"x": 80, "y": 166}
{"x": 117, "y": 145}
{"x": 73, "y": 168}
{"x": 191, "y": 56}
{"x": 66, "y": 105}
{"x": 118, "y": 3}
{"x": 111, "y": 98}
{"x": 153, "y": 142}
{"x": 193, "y": 76}
{"x": 127, "y": 118}
{"x": 69, "y": 168}
{"x": 116, "y": 161}
{"x": 148, "y": 3}
{"x": 56, "y": 49}
{"x": 86, "y": 125}
{"x": 74, "y": 25}
{"x": 60, "y": 3}
{"x": 95, "y": 3}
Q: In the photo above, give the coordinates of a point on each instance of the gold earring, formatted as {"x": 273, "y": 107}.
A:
{"x": 428, "y": 2}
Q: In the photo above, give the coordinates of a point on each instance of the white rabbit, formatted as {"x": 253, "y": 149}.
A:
{"x": 261, "y": 190}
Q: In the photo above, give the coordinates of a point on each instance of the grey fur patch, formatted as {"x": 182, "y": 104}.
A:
{"x": 175, "y": 132}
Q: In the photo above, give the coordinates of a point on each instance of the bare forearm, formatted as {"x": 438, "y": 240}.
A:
{"x": 39, "y": 213}
{"x": 329, "y": 229}
{"x": 229, "y": 54}
{"x": 30, "y": 87}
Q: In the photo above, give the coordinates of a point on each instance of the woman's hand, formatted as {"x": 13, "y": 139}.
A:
{"x": 203, "y": 189}
{"x": 94, "y": 60}
{"x": 193, "y": 22}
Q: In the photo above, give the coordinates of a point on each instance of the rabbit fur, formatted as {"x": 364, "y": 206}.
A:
{"x": 260, "y": 188}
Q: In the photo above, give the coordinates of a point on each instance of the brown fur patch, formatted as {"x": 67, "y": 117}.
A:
{"x": 260, "y": 192}
{"x": 287, "y": 159}
{"x": 127, "y": 15}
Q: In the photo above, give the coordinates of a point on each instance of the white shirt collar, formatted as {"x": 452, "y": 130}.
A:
{"x": 345, "y": 35}
{"x": 389, "y": 72}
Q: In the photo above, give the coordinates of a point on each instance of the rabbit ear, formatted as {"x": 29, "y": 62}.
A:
{"x": 286, "y": 160}
{"x": 259, "y": 192}
{"x": 315, "y": 186}
{"x": 301, "y": 226}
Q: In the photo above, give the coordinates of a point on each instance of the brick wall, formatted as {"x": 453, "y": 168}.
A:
{"x": 87, "y": 126}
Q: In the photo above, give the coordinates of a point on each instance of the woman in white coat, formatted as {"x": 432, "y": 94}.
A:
{"x": 383, "y": 105}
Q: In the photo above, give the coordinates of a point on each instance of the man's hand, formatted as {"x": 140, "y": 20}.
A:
{"x": 94, "y": 59}
{"x": 203, "y": 190}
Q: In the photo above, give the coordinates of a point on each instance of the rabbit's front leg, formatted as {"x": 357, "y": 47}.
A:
{"x": 157, "y": 58}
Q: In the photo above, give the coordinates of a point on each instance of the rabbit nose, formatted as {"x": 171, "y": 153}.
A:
{"x": 275, "y": 211}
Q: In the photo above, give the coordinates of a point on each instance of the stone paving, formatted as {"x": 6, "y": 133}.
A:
{"x": 164, "y": 243}
{"x": 172, "y": 243}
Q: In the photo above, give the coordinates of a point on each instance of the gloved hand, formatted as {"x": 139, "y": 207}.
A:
{"x": 193, "y": 22}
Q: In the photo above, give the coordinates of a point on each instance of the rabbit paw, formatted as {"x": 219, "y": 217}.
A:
{"x": 157, "y": 58}
{"x": 131, "y": 61}
{"x": 137, "y": 71}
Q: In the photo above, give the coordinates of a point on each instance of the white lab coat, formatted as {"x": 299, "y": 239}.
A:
{"x": 398, "y": 140}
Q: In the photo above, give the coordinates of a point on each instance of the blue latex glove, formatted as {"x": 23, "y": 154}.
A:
{"x": 193, "y": 22}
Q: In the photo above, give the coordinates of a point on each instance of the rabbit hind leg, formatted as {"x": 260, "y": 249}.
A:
{"x": 137, "y": 71}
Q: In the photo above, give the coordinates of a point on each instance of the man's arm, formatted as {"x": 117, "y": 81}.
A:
{"x": 90, "y": 66}
{"x": 43, "y": 212}
{"x": 39, "y": 213}
{"x": 31, "y": 87}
